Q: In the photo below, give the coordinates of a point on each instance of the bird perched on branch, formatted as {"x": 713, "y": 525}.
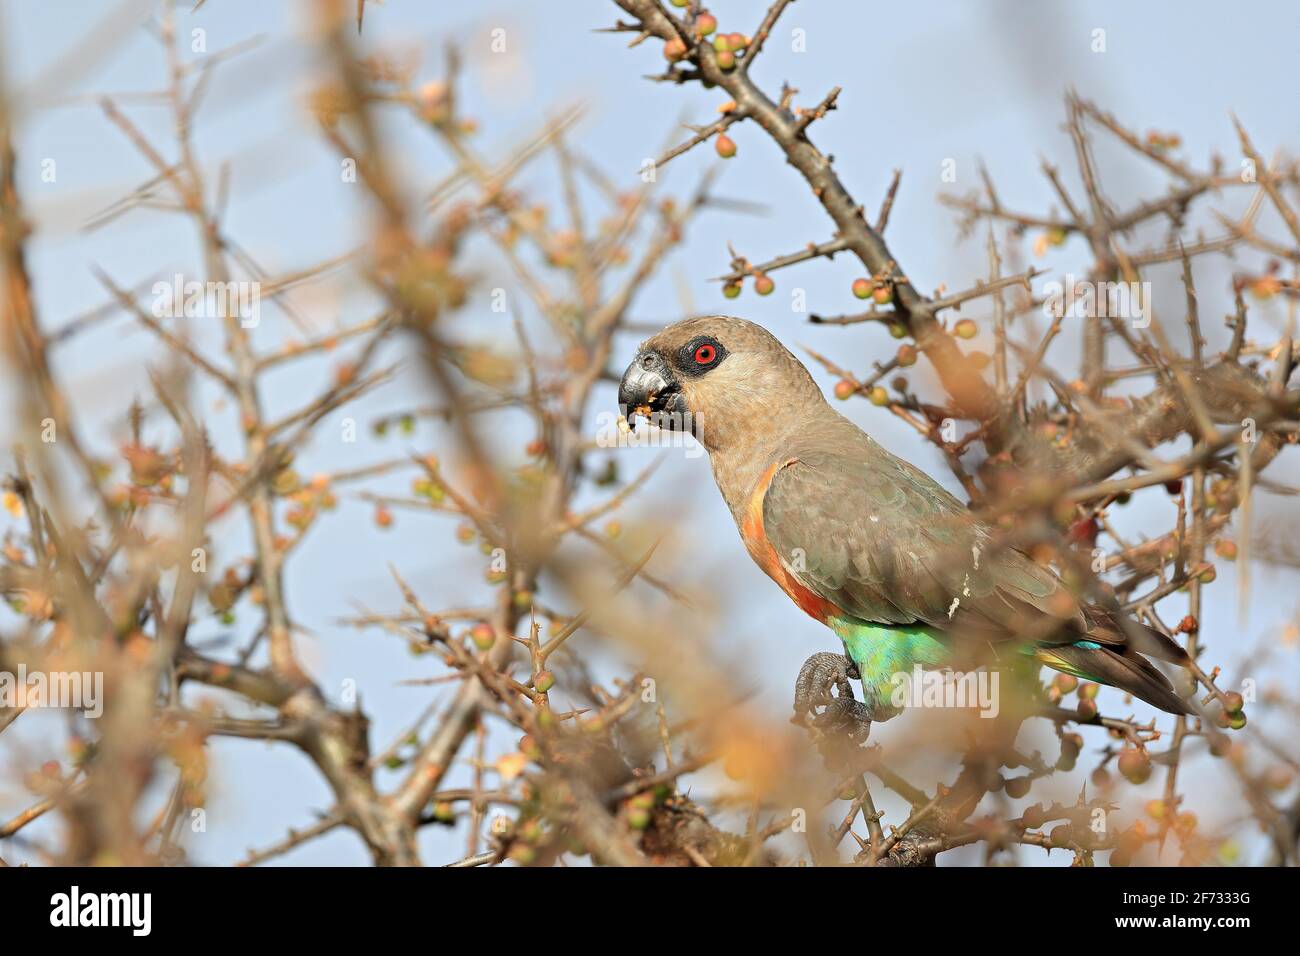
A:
{"x": 869, "y": 545}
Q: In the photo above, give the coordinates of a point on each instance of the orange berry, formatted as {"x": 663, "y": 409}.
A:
{"x": 1066, "y": 683}
{"x": 1017, "y": 787}
{"x": 1135, "y": 765}
{"x": 483, "y": 635}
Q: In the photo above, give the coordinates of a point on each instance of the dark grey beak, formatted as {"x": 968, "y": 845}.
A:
{"x": 648, "y": 388}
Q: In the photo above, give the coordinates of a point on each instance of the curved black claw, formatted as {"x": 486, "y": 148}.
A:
{"x": 845, "y": 716}
{"x": 840, "y": 713}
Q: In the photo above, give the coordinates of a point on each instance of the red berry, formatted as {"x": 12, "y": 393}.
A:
{"x": 906, "y": 355}
{"x": 883, "y": 294}
{"x": 726, "y": 60}
{"x": 763, "y": 284}
{"x": 725, "y": 146}
{"x": 862, "y": 288}
{"x": 705, "y": 24}
{"x": 844, "y": 389}
{"x": 1084, "y": 531}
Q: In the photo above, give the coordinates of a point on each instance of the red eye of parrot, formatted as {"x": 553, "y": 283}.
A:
{"x": 705, "y": 354}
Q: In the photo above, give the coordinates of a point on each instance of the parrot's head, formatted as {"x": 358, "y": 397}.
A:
{"x": 721, "y": 378}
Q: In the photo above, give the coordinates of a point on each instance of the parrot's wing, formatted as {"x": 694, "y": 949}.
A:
{"x": 885, "y": 543}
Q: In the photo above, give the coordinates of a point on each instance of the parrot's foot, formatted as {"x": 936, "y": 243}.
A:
{"x": 840, "y": 713}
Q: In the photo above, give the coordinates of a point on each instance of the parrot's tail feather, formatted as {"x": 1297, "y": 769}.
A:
{"x": 1127, "y": 671}
{"x": 1107, "y": 627}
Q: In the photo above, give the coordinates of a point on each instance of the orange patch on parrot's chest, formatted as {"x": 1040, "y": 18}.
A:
{"x": 766, "y": 556}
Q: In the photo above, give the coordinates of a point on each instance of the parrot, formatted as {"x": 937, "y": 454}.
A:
{"x": 902, "y": 571}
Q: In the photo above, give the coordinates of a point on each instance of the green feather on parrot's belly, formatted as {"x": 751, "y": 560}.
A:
{"x": 880, "y": 652}
{"x": 883, "y": 651}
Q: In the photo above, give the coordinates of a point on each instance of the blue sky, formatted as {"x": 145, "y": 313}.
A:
{"x": 922, "y": 84}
